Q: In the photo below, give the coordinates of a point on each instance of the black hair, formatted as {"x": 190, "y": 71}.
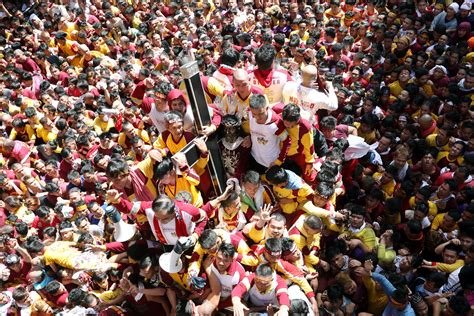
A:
{"x": 20, "y": 293}
{"x": 76, "y": 297}
{"x": 52, "y": 287}
{"x": 137, "y": 251}
{"x": 325, "y": 189}
{"x": 208, "y": 239}
{"x": 455, "y": 215}
{"x": 231, "y": 198}
{"x": 335, "y": 292}
{"x": 230, "y": 57}
{"x": 264, "y": 57}
{"x": 34, "y": 247}
{"x": 438, "y": 278}
{"x": 459, "y": 304}
{"x": 86, "y": 238}
{"x": 291, "y": 112}
{"x": 276, "y": 175}
{"x": 328, "y": 122}
{"x": 227, "y": 249}
{"x": 116, "y": 167}
{"x": 331, "y": 252}
{"x": 273, "y": 245}
{"x": 264, "y": 270}
{"x": 313, "y": 222}
{"x": 298, "y": 307}
{"x": 50, "y": 231}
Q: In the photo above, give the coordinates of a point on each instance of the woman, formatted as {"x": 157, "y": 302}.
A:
{"x": 463, "y": 33}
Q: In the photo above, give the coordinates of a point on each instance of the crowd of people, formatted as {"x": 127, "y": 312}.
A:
{"x": 345, "y": 130}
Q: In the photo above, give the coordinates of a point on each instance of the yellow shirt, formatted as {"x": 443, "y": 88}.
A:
{"x": 185, "y": 188}
{"x": 437, "y": 223}
{"x": 431, "y": 140}
{"x": 140, "y": 133}
{"x": 444, "y": 267}
{"x": 366, "y": 235}
{"x": 107, "y": 296}
{"x": 297, "y": 195}
{"x": 67, "y": 48}
{"x": 369, "y": 138}
{"x": 432, "y": 208}
{"x": 386, "y": 188}
{"x": 167, "y": 142}
{"x": 29, "y": 132}
{"x": 45, "y": 135}
{"x": 395, "y": 88}
{"x": 301, "y": 142}
{"x": 100, "y": 126}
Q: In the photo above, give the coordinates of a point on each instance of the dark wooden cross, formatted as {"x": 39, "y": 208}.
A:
{"x": 202, "y": 117}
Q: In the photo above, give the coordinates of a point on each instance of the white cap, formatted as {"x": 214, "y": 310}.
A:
{"x": 466, "y": 6}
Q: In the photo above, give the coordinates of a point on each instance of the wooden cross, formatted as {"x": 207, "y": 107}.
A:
{"x": 202, "y": 117}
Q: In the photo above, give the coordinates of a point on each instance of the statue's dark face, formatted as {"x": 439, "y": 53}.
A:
{"x": 231, "y": 133}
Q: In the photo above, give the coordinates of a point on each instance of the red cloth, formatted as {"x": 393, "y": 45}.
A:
{"x": 139, "y": 181}
{"x": 264, "y": 77}
{"x": 176, "y": 94}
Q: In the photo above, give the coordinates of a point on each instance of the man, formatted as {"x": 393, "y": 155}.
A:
{"x": 30, "y": 302}
{"x": 236, "y": 101}
{"x": 271, "y": 253}
{"x": 254, "y": 194}
{"x": 398, "y": 301}
{"x": 268, "y": 136}
{"x": 17, "y": 267}
{"x": 301, "y": 151}
{"x": 267, "y": 226}
{"x": 264, "y": 288}
{"x": 228, "y": 60}
{"x": 136, "y": 182}
{"x": 167, "y": 219}
{"x": 177, "y": 101}
{"x": 209, "y": 243}
{"x": 329, "y": 131}
{"x": 359, "y": 237}
{"x": 177, "y": 180}
{"x": 228, "y": 271}
{"x": 309, "y": 96}
{"x": 175, "y": 137}
{"x": 306, "y": 232}
{"x": 293, "y": 194}
{"x": 266, "y": 77}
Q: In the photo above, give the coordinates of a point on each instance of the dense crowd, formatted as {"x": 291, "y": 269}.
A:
{"x": 345, "y": 130}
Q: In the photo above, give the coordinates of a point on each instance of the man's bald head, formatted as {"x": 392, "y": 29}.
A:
{"x": 425, "y": 121}
{"x": 309, "y": 75}
{"x": 310, "y": 70}
{"x": 240, "y": 74}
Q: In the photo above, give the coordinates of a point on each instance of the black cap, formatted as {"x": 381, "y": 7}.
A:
{"x": 60, "y": 35}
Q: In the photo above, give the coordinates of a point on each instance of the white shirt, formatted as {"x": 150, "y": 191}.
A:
{"x": 309, "y": 100}
{"x": 265, "y": 143}
{"x": 274, "y": 91}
